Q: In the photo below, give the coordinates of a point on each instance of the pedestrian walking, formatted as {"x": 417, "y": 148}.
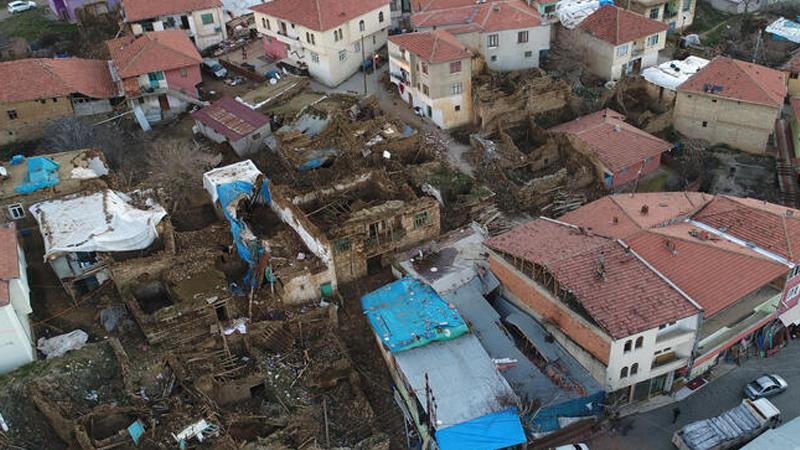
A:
{"x": 676, "y": 411}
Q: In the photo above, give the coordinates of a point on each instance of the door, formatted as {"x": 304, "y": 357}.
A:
{"x": 163, "y": 101}
{"x": 657, "y": 384}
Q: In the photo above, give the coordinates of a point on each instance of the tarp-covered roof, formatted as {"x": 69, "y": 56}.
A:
{"x": 105, "y": 221}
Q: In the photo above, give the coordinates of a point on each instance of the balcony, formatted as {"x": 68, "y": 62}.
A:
{"x": 675, "y": 336}
{"x": 667, "y": 362}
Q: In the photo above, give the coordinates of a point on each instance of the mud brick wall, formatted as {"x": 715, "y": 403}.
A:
{"x": 31, "y": 116}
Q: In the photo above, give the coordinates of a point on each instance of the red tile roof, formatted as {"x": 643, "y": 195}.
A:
{"x": 618, "y": 26}
{"x": 433, "y": 5}
{"x": 152, "y": 52}
{"x": 33, "y": 79}
{"x": 617, "y": 290}
{"x": 319, "y": 15}
{"x": 714, "y": 272}
{"x": 739, "y": 80}
{"x": 486, "y": 17}
{"x": 772, "y": 227}
{"x": 433, "y": 46}
{"x": 136, "y": 10}
{"x": 617, "y": 144}
{"x": 9, "y": 259}
{"x": 231, "y": 118}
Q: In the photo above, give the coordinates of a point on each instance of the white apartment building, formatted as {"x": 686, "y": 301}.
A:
{"x": 331, "y": 39}
{"x": 203, "y": 20}
{"x": 16, "y": 340}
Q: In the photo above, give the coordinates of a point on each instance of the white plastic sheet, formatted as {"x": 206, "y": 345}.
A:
{"x": 58, "y": 345}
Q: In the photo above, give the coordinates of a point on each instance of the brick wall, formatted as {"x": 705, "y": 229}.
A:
{"x": 548, "y": 309}
{"x": 30, "y": 117}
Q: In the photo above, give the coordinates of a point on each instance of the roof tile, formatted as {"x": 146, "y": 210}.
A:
{"x": 33, "y": 79}
{"x": 433, "y": 46}
{"x": 487, "y": 17}
{"x": 739, "y": 80}
{"x": 319, "y": 15}
{"x": 136, "y": 10}
{"x": 152, "y": 52}
{"x": 618, "y": 26}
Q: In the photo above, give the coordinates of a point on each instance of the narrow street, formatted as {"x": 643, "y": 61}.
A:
{"x": 653, "y": 430}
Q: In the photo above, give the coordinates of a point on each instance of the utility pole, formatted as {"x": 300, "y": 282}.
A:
{"x": 363, "y": 69}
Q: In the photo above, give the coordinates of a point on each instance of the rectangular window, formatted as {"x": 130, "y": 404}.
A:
{"x": 687, "y": 5}
{"x": 794, "y": 75}
{"x": 12, "y": 114}
{"x": 622, "y": 50}
{"x": 457, "y": 108}
{"x": 265, "y": 23}
{"x": 16, "y": 211}
{"x": 342, "y": 55}
{"x": 313, "y": 39}
{"x": 457, "y": 88}
{"x": 654, "y": 13}
{"x": 337, "y": 35}
{"x": 314, "y": 57}
{"x": 424, "y": 68}
{"x": 455, "y": 67}
{"x": 522, "y": 37}
{"x": 528, "y": 54}
{"x": 342, "y": 245}
{"x": 425, "y": 90}
{"x": 705, "y": 124}
{"x": 147, "y": 26}
{"x": 492, "y": 40}
{"x": 155, "y": 76}
{"x": 652, "y": 40}
{"x": 207, "y": 19}
{"x": 256, "y": 136}
{"x": 422, "y": 219}
{"x": 184, "y": 72}
{"x": 43, "y": 100}
{"x": 55, "y": 100}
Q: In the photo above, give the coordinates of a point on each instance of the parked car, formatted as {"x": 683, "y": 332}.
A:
{"x": 765, "y": 386}
{"x": 573, "y": 447}
{"x": 213, "y": 67}
{"x": 20, "y": 6}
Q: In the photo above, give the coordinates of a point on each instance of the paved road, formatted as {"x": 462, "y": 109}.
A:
{"x": 653, "y": 430}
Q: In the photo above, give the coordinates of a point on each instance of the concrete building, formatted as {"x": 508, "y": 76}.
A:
{"x": 677, "y": 14}
{"x": 433, "y": 71}
{"x": 332, "y": 39}
{"x": 17, "y": 342}
{"x": 203, "y": 21}
{"x": 38, "y": 91}
{"x": 227, "y": 120}
{"x": 731, "y": 102}
{"x": 792, "y": 72}
{"x": 615, "y": 43}
{"x": 623, "y": 152}
{"x": 509, "y": 34}
{"x": 77, "y": 10}
{"x": 156, "y": 72}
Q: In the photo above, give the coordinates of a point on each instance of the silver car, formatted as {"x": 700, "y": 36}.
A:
{"x": 765, "y": 386}
{"x": 20, "y": 6}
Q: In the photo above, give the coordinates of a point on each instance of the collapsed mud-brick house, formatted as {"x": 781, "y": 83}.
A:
{"x": 86, "y": 235}
{"x": 284, "y": 252}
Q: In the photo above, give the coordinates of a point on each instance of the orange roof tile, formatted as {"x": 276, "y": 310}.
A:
{"x": 486, "y": 17}
{"x": 9, "y": 259}
{"x": 32, "y": 79}
{"x": 152, "y": 52}
{"x": 617, "y": 290}
{"x": 136, "y": 10}
{"x": 618, "y": 26}
{"x": 616, "y": 143}
{"x": 433, "y": 46}
{"x": 319, "y": 15}
{"x": 738, "y": 80}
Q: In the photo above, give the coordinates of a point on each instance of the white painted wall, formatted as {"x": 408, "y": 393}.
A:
{"x": 510, "y": 54}
{"x": 204, "y": 35}
{"x": 16, "y": 336}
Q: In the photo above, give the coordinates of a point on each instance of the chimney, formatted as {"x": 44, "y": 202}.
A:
{"x": 617, "y": 128}
{"x": 671, "y": 246}
{"x": 615, "y": 220}
{"x": 645, "y": 209}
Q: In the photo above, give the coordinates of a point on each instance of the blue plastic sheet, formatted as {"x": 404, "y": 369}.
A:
{"x": 42, "y": 173}
{"x": 494, "y": 431}
{"x": 546, "y": 419}
{"x": 408, "y": 313}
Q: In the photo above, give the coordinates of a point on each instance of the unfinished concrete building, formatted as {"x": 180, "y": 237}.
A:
{"x": 367, "y": 218}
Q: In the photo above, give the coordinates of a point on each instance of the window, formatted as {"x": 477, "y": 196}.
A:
{"x": 705, "y": 124}
{"x": 639, "y": 342}
{"x": 155, "y": 76}
{"x": 634, "y": 369}
{"x": 207, "y": 19}
{"x": 265, "y": 23}
{"x": 55, "y": 99}
{"x": 622, "y": 50}
{"x": 457, "y": 88}
{"x": 421, "y": 219}
{"x": 256, "y": 136}
{"x": 337, "y": 35}
{"x": 455, "y": 67}
{"x": 425, "y": 90}
{"x": 528, "y": 54}
{"x": 623, "y": 373}
{"x": 424, "y": 68}
{"x": 628, "y": 344}
{"x": 343, "y": 244}
{"x": 713, "y": 100}
{"x": 493, "y": 58}
{"x": 357, "y": 47}
{"x": 373, "y": 40}
{"x": 380, "y": 17}
{"x": 43, "y": 100}
{"x": 361, "y": 26}
{"x": 687, "y": 5}
{"x": 492, "y": 41}
{"x": 342, "y": 55}
{"x": 184, "y": 72}
{"x": 16, "y": 211}
{"x": 654, "y": 13}
{"x": 522, "y": 37}
{"x": 147, "y": 26}
{"x": 794, "y": 75}
{"x": 314, "y": 57}
{"x": 457, "y": 108}
{"x": 652, "y": 40}
{"x": 12, "y": 114}
{"x": 313, "y": 39}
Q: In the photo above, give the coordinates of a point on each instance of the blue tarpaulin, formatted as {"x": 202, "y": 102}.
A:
{"x": 493, "y": 431}
{"x": 408, "y": 313}
{"x": 247, "y": 244}
{"x": 42, "y": 173}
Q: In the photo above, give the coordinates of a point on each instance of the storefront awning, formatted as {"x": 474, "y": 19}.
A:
{"x": 791, "y": 317}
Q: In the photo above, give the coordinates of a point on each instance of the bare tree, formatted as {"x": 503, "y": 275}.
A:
{"x": 176, "y": 169}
